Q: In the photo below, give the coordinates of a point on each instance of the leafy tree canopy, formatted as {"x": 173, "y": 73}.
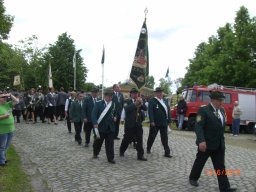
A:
{"x": 229, "y": 58}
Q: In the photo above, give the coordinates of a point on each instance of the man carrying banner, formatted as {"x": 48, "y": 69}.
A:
{"x": 103, "y": 119}
{"x": 134, "y": 115}
{"x": 159, "y": 117}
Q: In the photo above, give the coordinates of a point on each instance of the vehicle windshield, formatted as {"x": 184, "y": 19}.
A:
{"x": 189, "y": 95}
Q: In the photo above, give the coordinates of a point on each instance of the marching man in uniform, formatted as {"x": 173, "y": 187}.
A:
{"x": 103, "y": 119}
{"x": 209, "y": 129}
{"x": 159, "y": 117}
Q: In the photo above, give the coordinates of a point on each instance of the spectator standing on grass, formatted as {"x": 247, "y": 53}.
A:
{"x": 6, "y": 124}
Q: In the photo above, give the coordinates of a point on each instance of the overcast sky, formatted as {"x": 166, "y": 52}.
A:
{"x": 175, "y": 28}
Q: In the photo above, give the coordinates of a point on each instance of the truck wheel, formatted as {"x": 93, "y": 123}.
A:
{"x": 250, "y": 128}
{"x": 184, "y": 125}
{"x": 191, "y": 123}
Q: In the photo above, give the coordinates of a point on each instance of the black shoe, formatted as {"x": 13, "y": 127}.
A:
{"x": 86, "y": 145}
{"x": 142, "y": 159}
{"x": 2, "y": 165}
{"x": 168, "y": 155}
{"x": 117, "y": 138}
{"x": 112, "y": 161}
{"x": 95, "y": 157}
{"x": 79, "y": 142}
{"x": 121, "y": 154}
{"x": 229, "y": 190}
{"x": 193, "y": 182}
{"x": 148, "y": 151}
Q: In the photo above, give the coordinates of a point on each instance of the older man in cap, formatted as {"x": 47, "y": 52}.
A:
{"x": 103, "y": 119}
{"x": 134, "y": 109}
{"x": 159, "y": 117}
{"x": 88, "y": 105}
{"x": 209, "y": 129}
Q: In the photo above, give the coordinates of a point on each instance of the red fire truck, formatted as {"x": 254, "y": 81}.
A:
{"x": 199, "y": 95}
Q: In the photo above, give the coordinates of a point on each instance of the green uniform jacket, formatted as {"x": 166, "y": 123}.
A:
{"x": 75, "y": 112}
{"x": 107, "y": 124}
{"x": 209, "y": 128}
{"x": 157, "y": 113}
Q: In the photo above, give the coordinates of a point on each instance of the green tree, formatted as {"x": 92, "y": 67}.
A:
{"x": 228, "y": 58}
{"x": 6, "y": 22}
{"x": 11, "y": 63}
{"x": 32, "y": 71}
{"x": 150, "y": 82}
{"x": 165, "y": 85}
{"x": 60, "y": 56}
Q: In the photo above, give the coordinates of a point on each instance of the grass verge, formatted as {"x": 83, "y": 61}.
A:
{"x": 12, "y": 176}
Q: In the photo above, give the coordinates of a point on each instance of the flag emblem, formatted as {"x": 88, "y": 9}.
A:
{"x": 140, "y": 66}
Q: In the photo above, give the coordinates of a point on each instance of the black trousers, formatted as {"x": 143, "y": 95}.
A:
{"x": 129, "y": 135}
{"x": 60, "y": 111}
{"x": 164, "y": 137}
{"x": 88, "y": 129}
{"x": 39, "y": 113}
{"x": 109, "y": 145}
{"x": 78, "y": 129}
{"x": 218, "y": 159}
{"x": 117, "y": 123}
{"x": 68, "y": 124}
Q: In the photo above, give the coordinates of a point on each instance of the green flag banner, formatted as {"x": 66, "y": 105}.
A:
{"x": 103, "y": 56}
{"x": 140, "y": 66}
{"x": 167, "y": 73}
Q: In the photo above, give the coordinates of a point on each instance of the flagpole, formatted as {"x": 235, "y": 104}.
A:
{"x": 75, "y": 78}
{"x": 50, "y": 83}
{"x": 74, "y": 65}
{"x": 102, "y": 63}
{"x": 102, "y": 93}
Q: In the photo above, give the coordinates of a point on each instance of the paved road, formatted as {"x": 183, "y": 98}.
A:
{"x": 53, "y": 159}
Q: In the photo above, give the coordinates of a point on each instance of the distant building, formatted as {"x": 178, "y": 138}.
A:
{"x": 126, "y": 87}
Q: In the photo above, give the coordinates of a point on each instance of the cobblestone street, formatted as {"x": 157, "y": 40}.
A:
{"x": 50, "y": 154}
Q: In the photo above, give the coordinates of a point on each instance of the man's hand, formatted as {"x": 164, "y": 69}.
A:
{"x": 85, "y": 120}
{"x": 202, "y": 146}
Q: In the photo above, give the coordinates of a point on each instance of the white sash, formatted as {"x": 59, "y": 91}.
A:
{"x": 104, "y": 112}
{"x": 164, "y": 106}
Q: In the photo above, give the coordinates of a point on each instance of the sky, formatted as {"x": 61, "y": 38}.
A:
{"x": 175, "y": 29}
